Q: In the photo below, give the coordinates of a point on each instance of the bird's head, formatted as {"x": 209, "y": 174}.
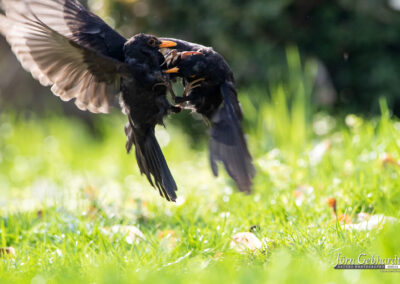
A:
{"x": 144, "y": 46}
{"x": 188, "y": 64}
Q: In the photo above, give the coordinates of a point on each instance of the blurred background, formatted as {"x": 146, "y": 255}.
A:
{"x": 353, "y": 47}
{"x": 318, "y": 82}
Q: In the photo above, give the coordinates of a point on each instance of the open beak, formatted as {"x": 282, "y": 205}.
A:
{"x": 167, "y": 44}
{"x": 172, "y": 70}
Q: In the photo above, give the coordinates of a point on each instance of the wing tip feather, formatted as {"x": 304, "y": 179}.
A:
{"x": 24, "y": 30}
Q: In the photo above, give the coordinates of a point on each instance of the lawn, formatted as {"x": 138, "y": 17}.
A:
{"x": 75, "y": 209}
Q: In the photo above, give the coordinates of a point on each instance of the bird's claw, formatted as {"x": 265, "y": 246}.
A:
{"x": 171, "y": 58}
{"x": 192, "y": 85}
{"x": 185, "y": 98}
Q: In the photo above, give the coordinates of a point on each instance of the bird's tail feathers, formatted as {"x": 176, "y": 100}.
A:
{"x": 151, "y": 161}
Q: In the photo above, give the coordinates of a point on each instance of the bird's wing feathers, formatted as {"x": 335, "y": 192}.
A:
{"x": 228, "y": 143}
{"x": 90, "y": 31}
{"x": 43, "y": 35}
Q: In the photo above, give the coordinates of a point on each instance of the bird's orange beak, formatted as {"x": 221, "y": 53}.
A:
{"x": 167, "y": 44}
{"x": 172, "y": 70}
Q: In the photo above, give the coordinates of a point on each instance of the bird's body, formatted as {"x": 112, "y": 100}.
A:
{"x": 211, "y": 92}
{"x": 145, "y": 102}
{"x": 143, "y": 92}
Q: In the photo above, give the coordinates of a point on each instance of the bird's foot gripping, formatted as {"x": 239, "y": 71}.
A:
{"x": 186, "y": 93}
{"x": 171, "y": 58}
{"x": 192, "y": 85}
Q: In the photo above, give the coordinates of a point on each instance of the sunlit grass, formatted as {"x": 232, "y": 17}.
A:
{"x": 65, "y": 186}
{"x": 62, "y": 186}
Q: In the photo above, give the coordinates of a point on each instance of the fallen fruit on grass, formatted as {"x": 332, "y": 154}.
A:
{"x": 362, "y": 216}
{"x": 374, "y": 222}
{"x": 246, "y": 241}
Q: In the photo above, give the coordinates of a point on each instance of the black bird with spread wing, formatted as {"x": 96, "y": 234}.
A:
{"x": 210, "y": 90}
{"x": 72, "y": 50}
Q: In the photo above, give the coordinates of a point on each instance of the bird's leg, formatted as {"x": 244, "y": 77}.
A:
{"x": 171, "y": 90}
{"x": 189, "y": 87}
{"x": 174, "y": 109}
{"x": 192, "y": 85}
{"x": 166, "y": 83}
{"x": 171, "y": 58}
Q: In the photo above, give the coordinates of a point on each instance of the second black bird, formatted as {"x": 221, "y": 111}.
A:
{"x": 210, "y": 90}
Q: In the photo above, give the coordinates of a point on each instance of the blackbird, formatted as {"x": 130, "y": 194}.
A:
{"x": 210, "y": 90}
{"x": 145, "y": 102}
{"x": 71, "y": 49}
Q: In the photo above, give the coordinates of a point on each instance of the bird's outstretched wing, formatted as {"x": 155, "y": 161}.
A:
{"x": 228, "y": 144}
{"x": 65, "y": 46}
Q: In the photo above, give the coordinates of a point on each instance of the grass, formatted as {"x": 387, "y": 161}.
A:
{"x": 64, "y": 187}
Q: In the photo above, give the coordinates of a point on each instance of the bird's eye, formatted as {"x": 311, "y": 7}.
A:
{"x": 152, "y": 42}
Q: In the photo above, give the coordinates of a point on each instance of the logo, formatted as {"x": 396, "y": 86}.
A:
{"x": 365, "y": 261}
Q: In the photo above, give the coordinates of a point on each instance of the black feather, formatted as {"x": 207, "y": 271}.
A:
{"x": 91, "y": 31}
{"x": 151, "y": 161}
{"x": 228, "y": 144}
{"x": 45, "y": 35}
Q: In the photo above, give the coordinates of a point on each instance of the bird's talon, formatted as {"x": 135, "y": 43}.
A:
{"x": 192, "y": 85}
{"x": 171, "y": 58}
